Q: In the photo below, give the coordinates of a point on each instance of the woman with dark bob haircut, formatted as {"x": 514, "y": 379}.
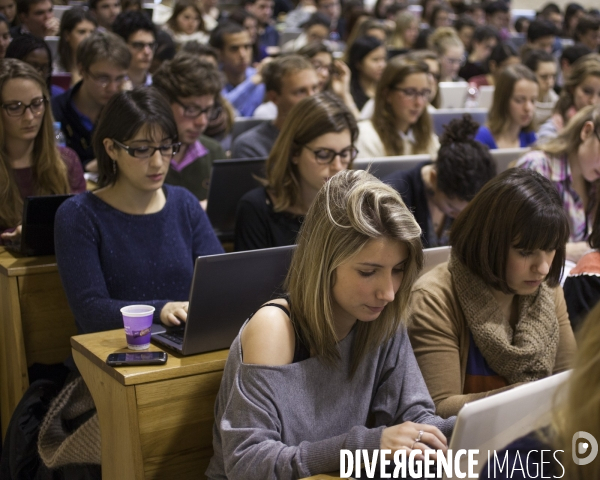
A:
{"x": 495, "y": 316}
{"x": 134, "y": 240}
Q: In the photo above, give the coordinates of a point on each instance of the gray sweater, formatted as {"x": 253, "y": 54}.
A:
{"x": 291, "y": 421}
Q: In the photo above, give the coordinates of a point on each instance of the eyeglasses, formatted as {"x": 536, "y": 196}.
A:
{"x": 325, "y": 156}
{"x": 139, "y": 46}
{"x": 413, "y": 93}
{"x": 104, "y": 80}
{"x": 146, "y": 152}
{"x": 456, "y": 61}
{"x": 16, "y": 109}
{"x": 194, "y": 111}
{"x": 319, "y": 67}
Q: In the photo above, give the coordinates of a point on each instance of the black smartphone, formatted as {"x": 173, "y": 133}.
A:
{"x": 134, "y": 359}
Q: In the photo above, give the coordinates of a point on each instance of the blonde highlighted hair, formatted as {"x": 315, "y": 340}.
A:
{"x": 403, "y": 22}
{"x": 384, "y": 121}
{"x": 349, "y": 211}
{"x": 581, "y": 69}
{"x": 569, "y": 139}
{"x": 442, "y": 39}
{"x": 309, "y": 119}
{"x": 49, "y": 169}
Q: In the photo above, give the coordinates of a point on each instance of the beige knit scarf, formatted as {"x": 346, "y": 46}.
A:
{"x": 522, "y": 355}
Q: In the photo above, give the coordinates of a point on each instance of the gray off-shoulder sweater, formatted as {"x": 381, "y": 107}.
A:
{"x": 291, "y": 421}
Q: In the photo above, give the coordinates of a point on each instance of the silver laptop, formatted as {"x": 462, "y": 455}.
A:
{"x": 485, "y": 97}
{"x": 226, "y": 289}
{"x": 384, "y": 166}
{"x": 492, "y": 423}
{"x": 442, "y": 117}
{"x": 504, "y": 157}
{"x": 453, "y": 94}
{"x": 434, "y": 256}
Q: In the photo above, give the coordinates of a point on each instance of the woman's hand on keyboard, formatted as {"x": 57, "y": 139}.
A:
{"x": 173, "y": 313}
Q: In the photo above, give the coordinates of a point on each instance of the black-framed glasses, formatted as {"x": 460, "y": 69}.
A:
{"x": 139, "y": 46}
{"x": 146, "y": 152}
{"x": 194, "y": 111}
{"x": 325, "y": 156}
{"x": 104, "y": 80}
{"x": 16, "y": 109}
{"x": 413, "y": 93}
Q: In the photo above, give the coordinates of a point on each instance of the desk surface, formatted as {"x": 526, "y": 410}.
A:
{"x": 14, "y": 265}
{"x": 97, "y": 347}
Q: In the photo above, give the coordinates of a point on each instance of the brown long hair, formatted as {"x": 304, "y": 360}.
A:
{"x": 49, "y": 170}
{"x": 383, "y": 119}
{"x": 581, "y": 69}
{"x": 179, "y": 7}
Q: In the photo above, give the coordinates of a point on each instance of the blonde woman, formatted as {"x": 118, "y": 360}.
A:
{"x": 407, "y": 29}
{"x": 577, "y": 412}
{"x": 581, "y": 88}
{"x": 329, "y": 365}
{"x": 400, "y": 124}
{"x": 315, "y": 142}
{"x": 510, "y": 120}
{"x": 30, "y": 162}
{"x": 572, "y": 162}
{"x": 451, "y": 52}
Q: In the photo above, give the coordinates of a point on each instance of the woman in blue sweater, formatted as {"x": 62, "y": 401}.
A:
{"x": 134, "y": 240}
{"x": 510, "y": 120}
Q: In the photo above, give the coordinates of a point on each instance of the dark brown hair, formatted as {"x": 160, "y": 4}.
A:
{"x": 519, "y": 208}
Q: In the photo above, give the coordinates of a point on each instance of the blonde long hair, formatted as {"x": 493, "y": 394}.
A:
{"x": 588, "y": 65}
{"x": 403, "y": 21}
{"x": 349, "y": 211}
{"x": 384, "y": 121}
{"x": 309, "y": 119}
{"x": 580, "y": 409}
{"x": 49, "y": 170}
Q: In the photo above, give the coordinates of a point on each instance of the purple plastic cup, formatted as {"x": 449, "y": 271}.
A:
{"x": 138, "y": 325}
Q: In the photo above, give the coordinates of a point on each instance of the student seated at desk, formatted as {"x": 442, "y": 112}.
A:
{"x": 134, "y": 240}
{"x": 316, "y": 141}
{"x": 401, "y": 124}
{"x": 30, "y": 162}
{"x": 510, "y": 120}
{"x": 330, "y": 365}
{"x": 549, "y": 452}
{"x": 495, "y": 315}
{"x": 436, "y": 192}
{"x": 570, "y": 162}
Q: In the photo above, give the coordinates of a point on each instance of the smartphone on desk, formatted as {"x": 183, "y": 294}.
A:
{"x": 135, "y": 359}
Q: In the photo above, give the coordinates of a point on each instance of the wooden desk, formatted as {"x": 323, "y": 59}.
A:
{"x": 155, "y": 421}
{"x": 35, "y": 323}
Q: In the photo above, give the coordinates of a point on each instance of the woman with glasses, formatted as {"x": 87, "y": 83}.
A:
{"x": 436, "y": 192}
{"x": 76, "y": 24}
{"x": 400, "y": 124}
{"x": 135, "y": 239}
{"x": 510, "y": 120}
{"x": 451, "y": 51}
{"x": 35, "y": 52}
{"x": 30, "y": 162}
{"x": 329, "y": 366}
{"x": 572, "y": 162}
{"x": 316, "y": 141}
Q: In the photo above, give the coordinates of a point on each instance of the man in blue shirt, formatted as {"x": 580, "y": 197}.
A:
{"x": 103, "y": 60}
{"x": 263, "y": 11}
{"x": 243, "y": 84}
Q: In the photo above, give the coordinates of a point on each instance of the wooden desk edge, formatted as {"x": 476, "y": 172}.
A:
{"x": 157, "y": 373}
{"x": 14, "y": 265}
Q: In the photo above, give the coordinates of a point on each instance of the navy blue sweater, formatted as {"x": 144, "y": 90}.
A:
{"x": 108, "y": 259}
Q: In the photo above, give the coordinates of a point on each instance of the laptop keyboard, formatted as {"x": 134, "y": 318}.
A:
{"x": 175, "y": 334}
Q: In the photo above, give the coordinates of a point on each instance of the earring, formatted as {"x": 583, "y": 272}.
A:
{"x": 114, "y": 167}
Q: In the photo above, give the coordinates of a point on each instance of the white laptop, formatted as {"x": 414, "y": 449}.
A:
{"x": 504, "y": 157}
{"x": 435, "y": 256}
{"x": 453, "y": 94}
{"x": 492, "y": 423}
{"x": 486, "y": 96}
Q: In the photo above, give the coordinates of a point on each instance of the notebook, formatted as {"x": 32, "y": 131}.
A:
{"x": 226, "y": 289}
{"x": 37, "y": 236}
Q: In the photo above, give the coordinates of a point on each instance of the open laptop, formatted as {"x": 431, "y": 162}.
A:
{"x": 37, "y": 236}
{"x": 230, "y": 180}
{"x": 442, "y": 117}
{"x": 384, "y": 166}
{"x": 486, "y": 96}
{"x": 453, "y": 94}
{"x": 226, "y": 289}
{"x": 504, "y": 157}
{"x": 492, "y": 423}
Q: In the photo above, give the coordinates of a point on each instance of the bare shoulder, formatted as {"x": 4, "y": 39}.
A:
{"x": 268, "y": 338}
